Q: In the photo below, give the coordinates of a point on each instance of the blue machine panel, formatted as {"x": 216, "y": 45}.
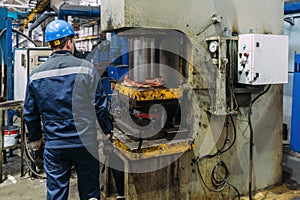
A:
{"x": 107, "y": 87}
{"x": 295, "y": 123}
{"x": 117, "y": 72}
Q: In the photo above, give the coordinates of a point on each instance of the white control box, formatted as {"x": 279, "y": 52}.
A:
{"x": 262, "y": 59}
{"x": 26, "y": 60}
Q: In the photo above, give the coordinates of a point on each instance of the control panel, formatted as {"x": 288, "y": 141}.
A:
{"x": 26, "y": 60}
{"x": 262, "y": 59}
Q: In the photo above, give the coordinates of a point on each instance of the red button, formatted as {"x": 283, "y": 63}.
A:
{"x": 246, "y": 54}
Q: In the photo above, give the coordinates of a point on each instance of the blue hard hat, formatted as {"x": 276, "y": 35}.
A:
{"x": 58, "y": 29}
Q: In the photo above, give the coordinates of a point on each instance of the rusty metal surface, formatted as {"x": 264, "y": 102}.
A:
{"x": 134, "y": 150}
{"x": 194, "y": 19}
{"x": 148, "y": 94}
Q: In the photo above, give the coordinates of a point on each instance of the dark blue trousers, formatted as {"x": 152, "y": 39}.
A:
{"x": 58, "y": 163}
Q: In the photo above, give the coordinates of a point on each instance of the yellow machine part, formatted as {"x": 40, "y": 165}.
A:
{"x": 148, "y": 94}
{"x": 177, "y": 147}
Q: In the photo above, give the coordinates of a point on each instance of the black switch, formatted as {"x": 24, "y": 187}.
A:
{"x": 257, "y": 44}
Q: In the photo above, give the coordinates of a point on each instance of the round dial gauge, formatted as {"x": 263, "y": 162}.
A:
{"x": 213, "y": 46}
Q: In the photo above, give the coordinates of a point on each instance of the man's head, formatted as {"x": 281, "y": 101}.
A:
{"x": 60, "y": 35}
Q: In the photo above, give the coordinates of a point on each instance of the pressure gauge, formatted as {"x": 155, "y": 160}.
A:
{"x": 213, "y": 46}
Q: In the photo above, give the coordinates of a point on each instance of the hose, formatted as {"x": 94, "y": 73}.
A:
{"x": 32, "y": 171}
{"x": 28, "y": 158}
{"x": 1, "y": 46}
{"x": 251, "y": 139}
{"x": 219, "y": 182}
{"x": 28, "y": 154}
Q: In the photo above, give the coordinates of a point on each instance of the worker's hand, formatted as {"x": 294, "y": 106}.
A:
{"x": 38, "y": 157}
{"x": 38, "y": 152}
{"x": 108, "y": 147}
{"x": 36, "y": 145}
{"x": 109, "y": 136}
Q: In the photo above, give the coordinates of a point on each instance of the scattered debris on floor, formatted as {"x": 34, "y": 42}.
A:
{"x": 28, "y": 188}
{"x": 278, "y": 193}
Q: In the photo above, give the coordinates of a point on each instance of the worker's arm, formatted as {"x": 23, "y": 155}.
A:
{"x": 31, "y": 116}
{"x": 102, "y": 112}
{"x": 103, "y": 115}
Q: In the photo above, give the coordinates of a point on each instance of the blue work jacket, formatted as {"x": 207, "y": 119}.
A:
{"x": 65, "y": 94}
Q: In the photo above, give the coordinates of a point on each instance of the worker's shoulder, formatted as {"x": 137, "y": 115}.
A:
{"x": 59, "y": 63}
{"x": 85, "y": 63}
{"x": 39, "y": 68}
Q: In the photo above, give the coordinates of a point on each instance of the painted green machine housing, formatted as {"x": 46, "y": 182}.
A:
{"x": 200, "y": 20}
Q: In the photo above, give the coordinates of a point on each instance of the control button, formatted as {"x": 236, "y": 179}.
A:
{"x": 244, "y": 46}
{"x": 246, "y": 54}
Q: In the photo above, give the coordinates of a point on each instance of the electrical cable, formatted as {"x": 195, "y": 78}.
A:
{"x": 29, "y": 158}
{"x": 234, "y": 136}
{"x": 1, "y": 45}
{"x": 31, "y": 170}
{"x": 237, "y": 191}
{"x": 28, "y": 154}
{"x": 225, "y": 142}
{"x": 219, "y": 183}
{"x": 251, "y": 139}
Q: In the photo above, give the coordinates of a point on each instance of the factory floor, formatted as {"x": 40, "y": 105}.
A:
{"x": 26, "y": 188}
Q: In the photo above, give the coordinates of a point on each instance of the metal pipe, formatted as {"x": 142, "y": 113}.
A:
{"x": 79, "y": 11}
{"x": 39, "y": 8}
{"x": 130, "y": 57}
{"x": 39, "y": 20}
{"x": 9, "y": 72}
{"x": 124, "y": 50}
{"x": 142, "y": 59}
{"x": 136, "y": 61}
{"x": 145, "y": 64}
{"x": 154, "y": 66}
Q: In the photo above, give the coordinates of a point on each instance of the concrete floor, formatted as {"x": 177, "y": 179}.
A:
{"x": 26, "y": 188}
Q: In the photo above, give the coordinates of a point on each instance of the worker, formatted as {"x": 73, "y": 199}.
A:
{"x": 66, "y": 93}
